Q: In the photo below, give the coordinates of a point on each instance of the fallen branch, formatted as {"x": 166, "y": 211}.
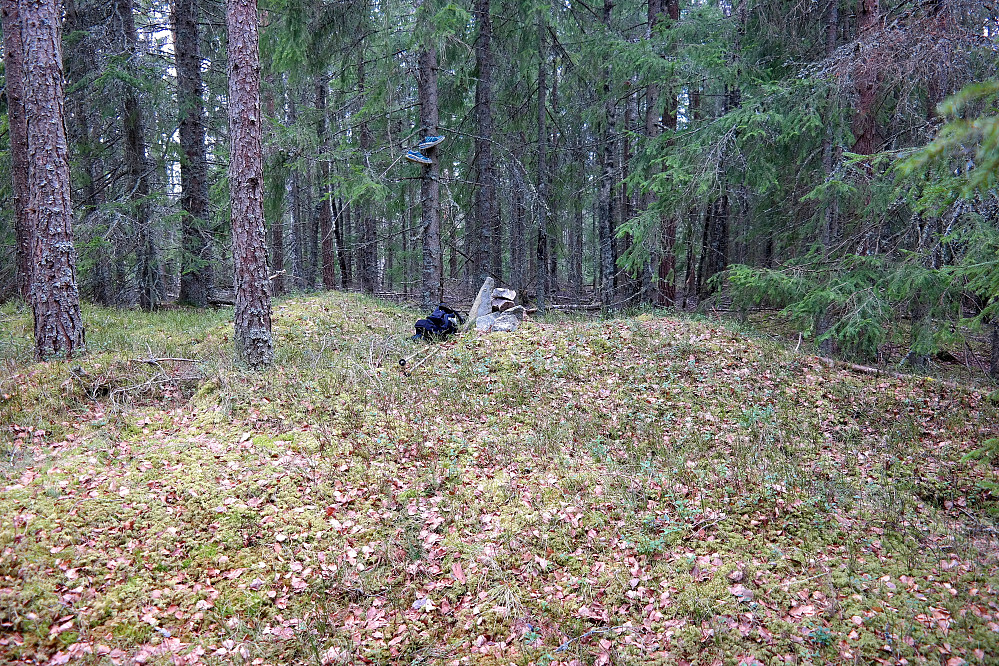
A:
{"x": 591, "y": 632}
{"x": 878, "y": 372}
{"x": 156, "y": 361}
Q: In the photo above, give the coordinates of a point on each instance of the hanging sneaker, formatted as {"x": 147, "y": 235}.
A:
{"x": 417, "y": 156}
{"x": 430, "y": 141}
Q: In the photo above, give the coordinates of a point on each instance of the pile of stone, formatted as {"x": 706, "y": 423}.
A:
{"x": 494, "y": 309}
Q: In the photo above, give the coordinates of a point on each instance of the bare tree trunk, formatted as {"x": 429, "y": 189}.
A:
{"x": 13, "y": 55}
{"x": 254, "y": 344}
{"x": 275, "y": 198}
{"x": 608, "y": 259}
{"x": 368, "y": 255}
{"x": 994, "y": 350}
{"x": 487, "y": 221}
{"x": 541, "y": 276}
{"x": 325, "y": 213}
{"x": 310, "y": 228}
{"x": 345, "y": 218}
{"x": 430, "y": 186}
{"x": 666, "y": 269}
{"x": 866, "y": 133}
{"x": 137, "y": 165}
{"x": 295, "y": 205}
{"x": 55, "y": 300}
{"x": 518, "y": 220}
{"x": 197, "y": 271}
{"x": 829, "y": 150}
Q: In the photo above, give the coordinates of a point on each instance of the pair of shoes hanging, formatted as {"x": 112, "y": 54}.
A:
{"x": 426, "y": 142}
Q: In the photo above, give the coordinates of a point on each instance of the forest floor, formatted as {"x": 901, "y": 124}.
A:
{"x": 655, "y": 490}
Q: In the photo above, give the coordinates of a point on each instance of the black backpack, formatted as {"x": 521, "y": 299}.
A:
{"x": 439, "y": 324}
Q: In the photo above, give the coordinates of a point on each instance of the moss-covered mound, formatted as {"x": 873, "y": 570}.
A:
{"x": 652, "y": 490}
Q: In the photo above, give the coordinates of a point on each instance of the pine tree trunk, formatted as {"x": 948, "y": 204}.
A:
{"x": 55, "y": 299}
{"x": 138, "y": 166}
{"x": 541, "y": 265}
{"x": 13, "y": 55}
{"x": 254, "y": 344}
{"x": 431, "y": 292}
{"x": 197, "y": 270}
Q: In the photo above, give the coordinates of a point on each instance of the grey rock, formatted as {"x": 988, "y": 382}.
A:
{"x": 506, "y": 323}
{"x": 496, "y": 322}
{"x": 518, "y": 311}
{"x": 508, "y": 294}
{"x": 482, "y": 305}
{"x": 485, "y": 323}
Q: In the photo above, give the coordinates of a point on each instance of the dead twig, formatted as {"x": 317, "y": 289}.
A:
{"x": 157, "y": 361}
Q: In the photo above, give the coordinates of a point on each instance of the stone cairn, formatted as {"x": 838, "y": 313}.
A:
{"x": 494, "y": 310}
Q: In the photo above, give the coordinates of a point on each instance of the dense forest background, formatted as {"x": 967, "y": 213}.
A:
{"x": 668, "y": 152}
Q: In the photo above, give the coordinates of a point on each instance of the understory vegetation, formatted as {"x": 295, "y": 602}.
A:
{"x": 653, "y": 489}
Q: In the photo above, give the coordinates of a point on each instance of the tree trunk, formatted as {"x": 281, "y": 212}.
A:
{"x": 295, "y": 205}
{"x": 254, "y": 344}
{"x": 324, "y": 205}
{"x": 541, "y": 267}
{"x": 608, "y": 259}
{"x": 197, "y": 270}
{"x": 830, "y": 152}
{"x": 994, "y": 350}
{"x": 13, "y": 55}
{"x": 487, "y": 220}
{"x": 137, "y": 165}
{"x": 368, "y": 255}
{"x": 665, "y": 291}
{"x": 867, "y": 136}
{"x": 275, "y": 198}
{"x": 518, "y": 220}
{"x": 55, "y": 300}
{"x": 430, "y": 186}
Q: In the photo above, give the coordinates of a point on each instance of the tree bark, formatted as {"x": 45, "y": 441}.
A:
{"x": 197, "y": 270}
{"x": 137, "y": 165}
{"x": 541, "y": 265}
{"x": 431, "y": 292}
{"x": 487, "y": 259}
{"x": 55, "y": 299}
{"x": 254, "y": 344}
{"x": 13, "y": 55}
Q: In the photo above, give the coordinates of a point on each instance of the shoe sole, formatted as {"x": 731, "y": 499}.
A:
{"x": 413, "y": 159}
